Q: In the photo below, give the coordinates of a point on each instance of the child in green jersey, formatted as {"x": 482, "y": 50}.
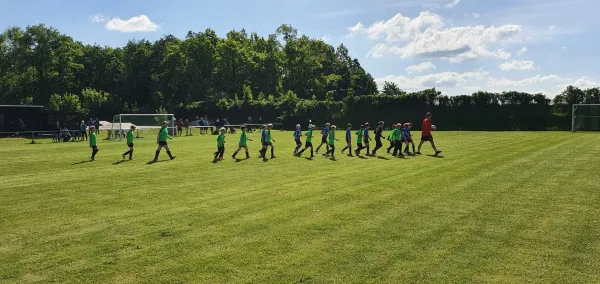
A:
{"x": 359, "y": 140}
{"x": 397, "y": 137}
{"x": 268, "y": 142}
{"x": 130, "y": 140}
{"x": 390, "y": 138}
{"x": 308, "y": 144}
{"x": 220, "y": 145}
{"x": 93, "y": 142}
{"x": 332, "y": 140}
{"x": 161, "y": 140}
{"x": 243, "y": 143}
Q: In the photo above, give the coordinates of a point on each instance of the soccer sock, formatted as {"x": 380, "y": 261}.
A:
{"x": 130, "y": 154}
{"x": 312, "y": 154}
{"x": 413, "y": 147}
{"x": 94, "y": 152}
{"x": 235, "y": 153}
{"x": 367, "y": 150}
{"x": 169, "y": 153}
{"x": 247, "y": 154}
{"x": 272, "y": 152}
{"x": 156, "y": 154}
{"x": 345, "y": 148}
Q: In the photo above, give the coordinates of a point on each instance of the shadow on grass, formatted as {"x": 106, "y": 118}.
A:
{"x": 241, "y": 160}
{"x": 309, "y": 158}
{"x": 82, "y": 162}
{"x": 383, "y": 158}
{"x": 333, "y": 159}
{"x": 120, "y": 162}
{"x": 436, "y": 156}
{"x": 154, "y": 162}
{"x": 363, "y": 157}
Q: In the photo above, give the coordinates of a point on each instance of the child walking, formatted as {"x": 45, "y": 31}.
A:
{"x": 391, "y": 138}
{"x": 297, "y": 135}
{"x": 348, "y": 140}
{"x": 243, "y": 144}
{"x": 308, "y": 143}
{"x": 359, "y": 140}
{"x": 332, "y": 140}
{"x": 93, "y": 142}
{"x": 130, "y": 140}
{"x": 220, "y": 145}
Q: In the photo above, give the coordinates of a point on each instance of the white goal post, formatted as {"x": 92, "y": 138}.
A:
{"x": 585, "y": 117}
{"x": 145, "y": 124}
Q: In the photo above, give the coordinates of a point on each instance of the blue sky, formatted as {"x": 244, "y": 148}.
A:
{"x": 457, "y": 46}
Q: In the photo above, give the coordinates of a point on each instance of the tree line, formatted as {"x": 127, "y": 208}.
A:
{"x": 282, "y": 77}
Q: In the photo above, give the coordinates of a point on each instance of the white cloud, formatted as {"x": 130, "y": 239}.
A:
{"x": 141, "y": 23}
{"x": 98, "y": 18}
{"x": 518, "y": 65}
{"x": 426, "y": 37}
{"x": 526, "y": 81}
{"x": 522, "y": 50}
{"x": 564, "y": 48}
{"x": 399, "y": 27}
{"x": 582, "y": 83}
{"x": 453, "y": 3}
{"x": 551, "y": 27}
{"x": 476, "y": 15}
{"x": 378, "y": 50}
{"x": 325, "y": 38}
{"x": 422, "y": 67}
{"x": 445, "y": 79}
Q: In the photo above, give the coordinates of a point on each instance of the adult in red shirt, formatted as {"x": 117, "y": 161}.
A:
{"x": 426, "y": 134}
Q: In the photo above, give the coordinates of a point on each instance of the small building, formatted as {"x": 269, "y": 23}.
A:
{"x": 15, "y": 118}
{"x": 22, "y": 118}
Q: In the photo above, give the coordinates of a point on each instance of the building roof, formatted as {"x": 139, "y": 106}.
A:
{"x": 33, "y": 106}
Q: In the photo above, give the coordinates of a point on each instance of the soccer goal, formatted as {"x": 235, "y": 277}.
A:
{"x": 147, "y": 125}
{"x": 585, "y": 117}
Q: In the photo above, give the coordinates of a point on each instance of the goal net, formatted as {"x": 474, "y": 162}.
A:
{"x": 147, "y": 125}
{"x": 585, "y": 117}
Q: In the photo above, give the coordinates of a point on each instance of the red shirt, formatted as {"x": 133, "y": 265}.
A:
{"x": 426, "y": 127}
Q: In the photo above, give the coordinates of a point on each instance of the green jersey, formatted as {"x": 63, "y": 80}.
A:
{"x": 396, "y": 135}
{"x": 221, "y": 140}
{"x": 331, "y": 137}
{"x": 164, "y": 134}
{"x": 243, "y": 139}
{"x": 359, "y": 138}
{"x": 309, "y": 136}
{"x": 93, "y": 139}
{"x": 130, "y": 137}
{"x": 268, "y": 136}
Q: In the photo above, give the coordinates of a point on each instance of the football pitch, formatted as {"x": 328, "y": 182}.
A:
{"x": 496, "y": 207}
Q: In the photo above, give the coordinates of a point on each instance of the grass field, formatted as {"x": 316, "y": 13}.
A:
{"x": 498, "y": 207}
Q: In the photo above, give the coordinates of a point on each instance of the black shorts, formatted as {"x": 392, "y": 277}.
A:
{"x": 298, "y": 142}
{"x": 359, "y": 145}
{"x": 324, "y": 139}
{"x": 402, "y": 139}
{"x": 130, "y": 145}
{"x": 366, "y": 142}
{"x": 348, "y": 141}
{"x": 409, "y": 140}
{"x": 162, "y": 143}
{"x": 427, "y": 138}
{"x": 95, "y": 147}
{"x": 267, "y": 144}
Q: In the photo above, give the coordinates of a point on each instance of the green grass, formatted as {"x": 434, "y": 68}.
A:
{"x": 498, "y": 207}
